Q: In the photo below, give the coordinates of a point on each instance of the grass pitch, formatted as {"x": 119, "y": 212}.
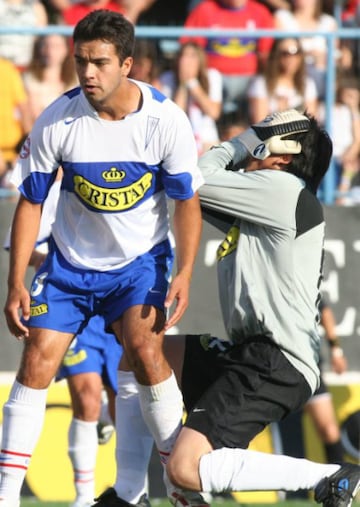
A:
{"x": 30, "y": 502}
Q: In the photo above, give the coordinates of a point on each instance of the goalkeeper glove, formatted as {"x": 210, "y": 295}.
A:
{"x": 270, "y": 136}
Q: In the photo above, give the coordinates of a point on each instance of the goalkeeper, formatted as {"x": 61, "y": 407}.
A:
{"x": 269, "y": 271}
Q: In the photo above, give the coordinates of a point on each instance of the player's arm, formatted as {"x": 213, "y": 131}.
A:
{"x": 250, "y": 194}
{"x": 24, "y": 231}
{"x": 37, "y": 257}
{"x": 271, "y": 136}
{"x": 187, "y": 225}
{"x": 338, "y": 359}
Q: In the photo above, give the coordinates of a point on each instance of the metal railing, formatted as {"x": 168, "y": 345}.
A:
{"x": 171, "y": 33}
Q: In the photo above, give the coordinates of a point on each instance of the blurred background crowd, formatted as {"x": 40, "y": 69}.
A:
{"x": 224, "y": 83}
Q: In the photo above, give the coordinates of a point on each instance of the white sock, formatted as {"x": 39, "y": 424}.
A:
{"x": 162, "y": 409}
{"x": 134, "y": 441}
{"x": 243, "y": 470}
{"x": 23, "y": 419}
{"x": 83, "y": 446}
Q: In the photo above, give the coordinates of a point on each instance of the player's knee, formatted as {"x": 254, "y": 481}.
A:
{"x": 145, "y": 357}
{"x": 37, "y": 372}
{"x": 183, "y": 473}
{"x": 178, "y": 474}
{"x": 86, "y": 408}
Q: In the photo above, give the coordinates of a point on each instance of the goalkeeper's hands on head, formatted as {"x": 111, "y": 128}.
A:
{"x": 271, "y": 136}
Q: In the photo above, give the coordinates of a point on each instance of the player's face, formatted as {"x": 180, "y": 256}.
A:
{"x": 101, "y": 75}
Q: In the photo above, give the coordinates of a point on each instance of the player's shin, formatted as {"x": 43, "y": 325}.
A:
{"x": 22, "y": 423}
{"x": 134, "y": 441}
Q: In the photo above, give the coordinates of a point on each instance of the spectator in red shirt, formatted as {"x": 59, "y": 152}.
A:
{"x": 72, "y": 14}
{"x": 350, "y": 18}
{"x": 238, "y": 58}
{"x": 350, "y": 10}
{"x": 72, "y": 11}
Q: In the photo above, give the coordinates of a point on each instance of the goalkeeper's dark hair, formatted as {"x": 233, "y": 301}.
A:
{"x": 313, "y": 161}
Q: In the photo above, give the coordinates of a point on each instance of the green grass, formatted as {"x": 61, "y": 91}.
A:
{"x": 31, "y": 502}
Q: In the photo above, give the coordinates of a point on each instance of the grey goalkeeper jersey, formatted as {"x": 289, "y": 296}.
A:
{"x": 269, "y": 264}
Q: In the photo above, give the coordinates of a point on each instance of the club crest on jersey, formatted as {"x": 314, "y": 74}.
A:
{"x": 113, "y": 175}
{"x": 112, "y": 199}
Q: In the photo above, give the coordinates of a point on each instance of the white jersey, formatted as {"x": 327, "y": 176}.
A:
{"x": 117, "y": 175}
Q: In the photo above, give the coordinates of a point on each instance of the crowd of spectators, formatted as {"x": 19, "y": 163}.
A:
{"x": 196, "y": 88}
{"x": 284, "y": 83}
{"x": 223, "y": 82}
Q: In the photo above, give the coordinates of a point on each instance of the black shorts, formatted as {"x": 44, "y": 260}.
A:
{"x": 322, "y": 389}
{"x": 231, "y": 395}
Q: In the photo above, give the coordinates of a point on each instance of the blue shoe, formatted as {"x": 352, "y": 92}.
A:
{"x": 339, "y": 490}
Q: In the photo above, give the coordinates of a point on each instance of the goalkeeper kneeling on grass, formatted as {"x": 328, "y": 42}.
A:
{"x": 269, "y": 271}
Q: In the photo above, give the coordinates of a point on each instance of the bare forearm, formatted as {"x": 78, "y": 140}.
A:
{"x": 24, "y": 232}
{"x": 187, "y": 231}
{"x": 329, "y": 324}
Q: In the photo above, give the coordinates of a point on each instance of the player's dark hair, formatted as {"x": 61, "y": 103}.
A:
{"x": 316, "y": 151}
{"x": 108, "y": 26}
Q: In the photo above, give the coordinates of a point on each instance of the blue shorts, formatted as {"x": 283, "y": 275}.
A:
{"x": 93, "y": 351}
{"x": 64, "y": 298}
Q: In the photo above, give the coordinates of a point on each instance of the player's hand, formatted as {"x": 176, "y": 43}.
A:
{"x": 179, "y": 292}
{"x": 18, "y": 300}
{"x": 338, "y": 360}
{"x": 270, "y": 136}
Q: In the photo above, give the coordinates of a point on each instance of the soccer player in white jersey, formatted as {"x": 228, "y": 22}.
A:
{"x": 269, "y": 272}
{"x": 124, "y": 149}
{"x": 90, "y": 366}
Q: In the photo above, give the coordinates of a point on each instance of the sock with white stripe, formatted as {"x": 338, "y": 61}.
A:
{"x": 83, "y": 446}
{"x": 23, "y": 419}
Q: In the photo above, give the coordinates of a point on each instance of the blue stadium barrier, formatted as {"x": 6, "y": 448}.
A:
{"x": 174, "y": 32}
